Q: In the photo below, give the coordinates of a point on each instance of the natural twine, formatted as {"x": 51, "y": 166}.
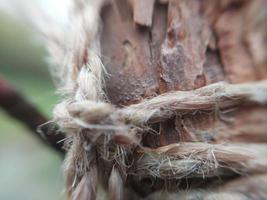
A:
{"x": 104, "y": 139}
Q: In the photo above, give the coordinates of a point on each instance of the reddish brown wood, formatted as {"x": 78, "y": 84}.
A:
{"x": 185, "y": 45}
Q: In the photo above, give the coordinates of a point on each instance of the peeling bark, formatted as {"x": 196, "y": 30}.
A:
{"x": 152, "y": 47}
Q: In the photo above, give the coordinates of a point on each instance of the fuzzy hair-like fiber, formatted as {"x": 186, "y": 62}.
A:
{"x": 105, "y": 141}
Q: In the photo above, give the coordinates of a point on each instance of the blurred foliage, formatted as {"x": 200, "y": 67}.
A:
{"x": 22, "y": 63}
{"x": 29, "y": 170}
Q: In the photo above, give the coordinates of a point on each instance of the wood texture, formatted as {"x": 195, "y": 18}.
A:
{"x": 185, "y": 45}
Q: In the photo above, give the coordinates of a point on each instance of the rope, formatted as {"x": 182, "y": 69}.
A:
{"x": 106, "y": 141}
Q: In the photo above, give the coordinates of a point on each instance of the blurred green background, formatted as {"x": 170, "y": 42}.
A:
{"x": 28, "y": 169}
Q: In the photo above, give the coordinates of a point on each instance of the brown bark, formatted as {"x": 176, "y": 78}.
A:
{"x": 152, "y": 47}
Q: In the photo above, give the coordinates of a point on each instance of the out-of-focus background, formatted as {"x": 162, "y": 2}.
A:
{"x": 28, "y": 169}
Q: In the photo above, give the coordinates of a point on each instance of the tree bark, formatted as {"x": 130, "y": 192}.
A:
{"x": 153, "y": 47}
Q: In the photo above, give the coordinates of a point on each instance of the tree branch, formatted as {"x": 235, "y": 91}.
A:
{"x": 18, "y": 107}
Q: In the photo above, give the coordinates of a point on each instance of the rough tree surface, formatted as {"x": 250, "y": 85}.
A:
{"x": 152, "y": 47}
{"x": 163, "y": 99}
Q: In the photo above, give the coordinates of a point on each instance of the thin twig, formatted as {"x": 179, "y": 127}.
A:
{"x": 18, "y": 107}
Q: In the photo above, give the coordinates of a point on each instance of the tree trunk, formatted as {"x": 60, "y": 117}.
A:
{"x": 153, "y": 47}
